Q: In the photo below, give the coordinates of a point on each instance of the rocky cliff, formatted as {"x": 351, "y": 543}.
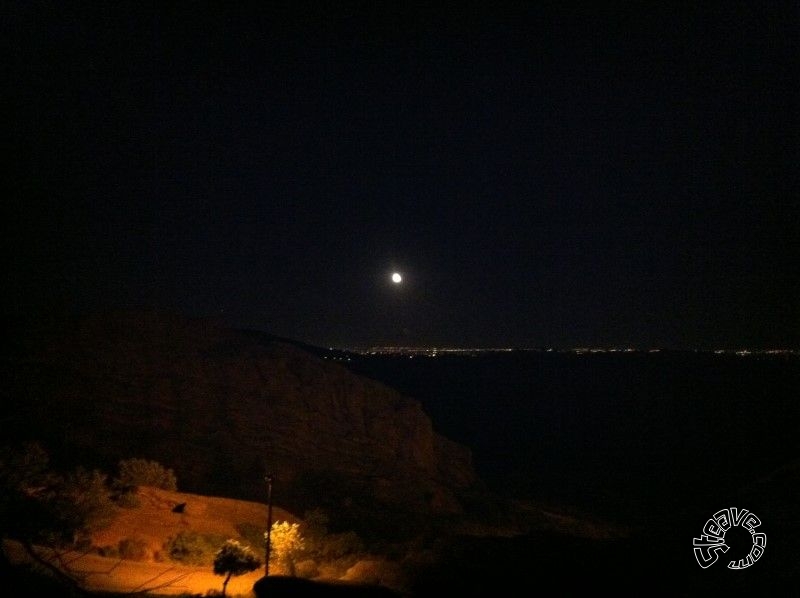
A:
{"x": 223, "y": 407}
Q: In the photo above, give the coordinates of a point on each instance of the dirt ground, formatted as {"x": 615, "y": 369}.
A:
{"x": 160, "y": 515}
{"x": 97, "y": 573}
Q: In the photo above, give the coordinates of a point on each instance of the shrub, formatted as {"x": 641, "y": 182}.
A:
{"x": 307, "y": 569}
{"x": 192, "y": 548}
{"x": 337, "y": 546}
{"x": 141, "y": 472}
{"x": 132, "y": 549}
{"x": 81, "y": 502}
{"x": 321, "y": 544}
{"x": 128, "y": 499}
{"x": 111, "y": 552}
{"x": 42, "y": 506}
{"x": 376, "y": 571}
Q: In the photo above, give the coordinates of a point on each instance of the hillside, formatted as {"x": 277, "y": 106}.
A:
{"x": 222, "y": 408}
{"x": 161, "y": 514}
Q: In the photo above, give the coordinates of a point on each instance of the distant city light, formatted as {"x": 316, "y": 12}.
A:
{"x": 440, "y": 351}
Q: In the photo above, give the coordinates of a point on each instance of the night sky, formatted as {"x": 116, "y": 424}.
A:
{"x": 541, "y": 175}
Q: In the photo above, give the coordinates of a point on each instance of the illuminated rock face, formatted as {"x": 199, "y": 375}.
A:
{"x": 221, "y": 407}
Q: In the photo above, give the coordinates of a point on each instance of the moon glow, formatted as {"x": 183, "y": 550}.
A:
{"x": 396, "y": 278}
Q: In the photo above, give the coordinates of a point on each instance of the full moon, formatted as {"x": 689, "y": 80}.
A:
{"x": 396, "y": 278}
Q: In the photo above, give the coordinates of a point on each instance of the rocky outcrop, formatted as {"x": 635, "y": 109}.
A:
{"x": 223, "y": 407}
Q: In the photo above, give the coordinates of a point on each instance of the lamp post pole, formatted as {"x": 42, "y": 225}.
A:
{"x": 269, "y": 480}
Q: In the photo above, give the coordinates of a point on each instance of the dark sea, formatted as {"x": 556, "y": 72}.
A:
{"x": 659, "y": 442}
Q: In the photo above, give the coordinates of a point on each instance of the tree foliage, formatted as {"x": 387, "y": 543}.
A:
{"x": 234, "y": 559}
{"x": 81, "y": 501}
{"x": 322, "y": 545}
{"x": 40, "y": 505}
{"x": 141, "y": 472}
{"x": 23, "y": 472}
{"x": 286, "y": 544}
{"x": 192, "y": 548}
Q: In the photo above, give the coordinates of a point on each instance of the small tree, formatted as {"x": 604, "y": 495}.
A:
{"x": 286, "y": 544}
{"x": 234, "y": 559}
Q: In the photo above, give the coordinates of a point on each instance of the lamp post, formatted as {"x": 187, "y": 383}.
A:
{"x": 269, "y": 479}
